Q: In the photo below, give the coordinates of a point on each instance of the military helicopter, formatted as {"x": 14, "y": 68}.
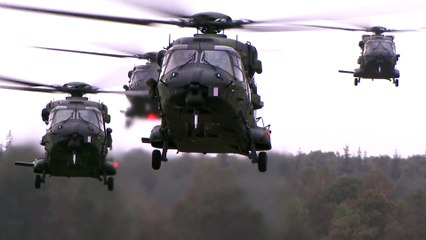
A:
{"x": 140, "y": 77}
{"x": 77, "y": 140}
{"x": 378, "y": 57}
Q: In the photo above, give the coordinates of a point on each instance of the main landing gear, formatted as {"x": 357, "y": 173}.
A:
{"x": 394, "y": 81}
{"x": 109, "y": 182}
{"x": 261, "y": 160}
{"x": 356, "y": 81}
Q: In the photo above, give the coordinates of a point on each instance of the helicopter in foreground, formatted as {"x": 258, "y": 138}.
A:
{"x": 378, "y": 57}
{"x": 208, "y": 99}
{"x": 77, "y": 140}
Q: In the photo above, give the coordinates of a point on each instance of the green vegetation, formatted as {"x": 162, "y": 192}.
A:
{"x": 316, "y": 195}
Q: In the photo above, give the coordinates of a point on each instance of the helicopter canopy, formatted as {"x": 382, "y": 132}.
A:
{"x": 222, "y": 57}
{"x": 379, "y": 46}
{"x": 90, "y": 115}
{"x": 142, "y": 73}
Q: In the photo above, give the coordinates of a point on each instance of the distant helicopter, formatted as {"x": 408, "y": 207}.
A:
{"x": 378, "y": 54}
{"x": 140, "y": 78}
{"x": 77, "y": 140}
{"x": 206, "y": 91}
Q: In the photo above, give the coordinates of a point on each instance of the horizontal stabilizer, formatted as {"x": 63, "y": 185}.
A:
{"x": 344, "y": 71}
{"x": 24, "y": 164}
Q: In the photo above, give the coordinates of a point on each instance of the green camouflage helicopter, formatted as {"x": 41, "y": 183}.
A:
{"x": 77, "y": 139}
{"x": 378, "y": 57}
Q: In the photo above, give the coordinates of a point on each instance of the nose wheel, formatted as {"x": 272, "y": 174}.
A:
{"x": 38, "y": 181}
{"x": 356, "y": 81}
{"x": 156, "y": 159}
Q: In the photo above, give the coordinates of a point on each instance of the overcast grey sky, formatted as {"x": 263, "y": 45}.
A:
{"x": 309, "y": 105}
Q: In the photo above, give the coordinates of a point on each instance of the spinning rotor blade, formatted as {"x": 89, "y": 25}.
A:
{"x": 90, "y": 53}
{"x": 151, "y": 56}
{"x": 90, "y": 16}
{"x": 29, "y": 89}
{"x": 277, "y": 28}
{"x": 330, "y": 27}
{"x": 375, "y": 29}
{"x": 210, "y": 20}
{"x": 128, "y": 93}
{"x": 130, "y": 49}
{"x": 72, "y": 88}
{"x": 173, "y": 12}
{"x": 24, "y": 82}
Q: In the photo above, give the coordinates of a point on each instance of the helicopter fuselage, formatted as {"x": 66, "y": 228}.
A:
{"x": 378, "y": 59}
{"x": 76, "y": 141}
{"x": 143, "y": 78}
{"x": 205, "y": 101}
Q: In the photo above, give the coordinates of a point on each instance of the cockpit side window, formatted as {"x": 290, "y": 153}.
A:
{"x": 238, "y": 70}
{"x": 165, "y": 61}
{"x": 180, "y": 57}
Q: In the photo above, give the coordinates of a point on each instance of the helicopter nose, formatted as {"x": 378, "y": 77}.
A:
{"x": 194, "y": 98}
{"x": 75, "y": 142}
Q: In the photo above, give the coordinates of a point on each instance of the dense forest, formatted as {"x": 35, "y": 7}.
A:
{"x": 316, "y": 195}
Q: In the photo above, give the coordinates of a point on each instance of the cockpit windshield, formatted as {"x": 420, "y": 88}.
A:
{"x": 379, "y": 45}
{"x": 61, "y": 115}
{"x": 224, "y": 59}
{"x": 91, "y": 116}
{"x": 218, "y": 59}
{"x": 88, "y": 116}
{"x": 181, "y": 57}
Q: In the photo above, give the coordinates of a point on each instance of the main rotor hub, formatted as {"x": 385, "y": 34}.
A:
{"x": 78, "y": 89}
{"x": 211, "y": 22}
{"x": 377, "y": 30}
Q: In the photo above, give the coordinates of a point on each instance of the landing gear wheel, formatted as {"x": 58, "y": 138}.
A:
{"x": 262, "y": 161}
{"x": 37, "y": 181}
{"x": 110, "y": 184}
{"x": 396, "y": 82}
{"x": 356, "y": 81}
{"x": 156, "y": 159}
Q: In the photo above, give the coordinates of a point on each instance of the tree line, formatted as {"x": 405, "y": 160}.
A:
{"x": 315, "y": 195}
